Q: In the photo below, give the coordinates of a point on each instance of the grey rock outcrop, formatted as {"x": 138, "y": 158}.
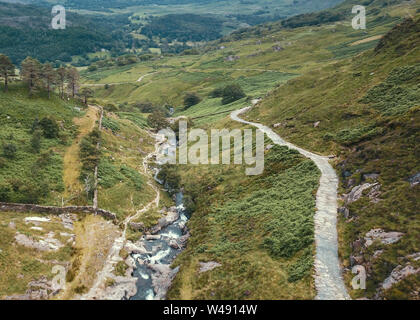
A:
{"x": 357, "y": 192}
{"x": 398, "y": 274}
{"x": 382, "y": 236}
{"x": 48, "y": 243}
{"x": 137, "y": 226}
{"x": 162, "y": 279}
{"x": 208, "y": 266}
{"x": 41, "y": 289}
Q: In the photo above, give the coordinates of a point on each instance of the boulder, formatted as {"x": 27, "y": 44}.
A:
{"x": 398, "y": 274}
{"x": 371, "y": 176}
{"x": 208, "y": 266}
{"x": 132, "y": 248}
{"x": 151, "y": 237}
{"x": 174, "y": 244}
{"x": 382, "y": 236}
{"x": 344, "y": 211}
{"x": 269, "y": 147}
{"x": 414, "y": 179}
{"x": 375, "y": 193}
{"x": 162, "y": 279}
{"x": 46, "y": 244}
{"x": 356, "y": 260}
{"x": 137, "y": 226}
{"x": 232, "y": 58}
{"x": 357, "y": 192}
{"x": 277, "y": 48}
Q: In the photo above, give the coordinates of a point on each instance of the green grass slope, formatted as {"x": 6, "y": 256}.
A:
{"x": 260, "y": 229}
{"x": 368, "y": 113}
{"x": 28, "y": 175}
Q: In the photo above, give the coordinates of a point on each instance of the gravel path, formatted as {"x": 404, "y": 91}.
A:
{"x": 328, "y": 278}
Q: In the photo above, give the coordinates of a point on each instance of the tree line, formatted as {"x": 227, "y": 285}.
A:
{"x": 38, "y": 76}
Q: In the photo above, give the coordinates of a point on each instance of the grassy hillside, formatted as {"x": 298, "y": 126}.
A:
{"x": 325, "y": 87}
{"x": 259, "y": 229}
{"x": 32, "y": 153}
{"x": 366, "y": 110}
{"x": 42, "y": 162}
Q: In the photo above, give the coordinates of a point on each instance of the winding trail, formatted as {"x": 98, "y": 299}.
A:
{"x": 97, "y": 290}
{"x": 328, "y": 278}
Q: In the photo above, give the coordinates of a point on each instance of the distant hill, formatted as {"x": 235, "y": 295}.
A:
{"x": 26, "y": 30}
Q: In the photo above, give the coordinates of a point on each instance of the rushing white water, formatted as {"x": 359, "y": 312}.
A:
{"x": 160, "y": 252}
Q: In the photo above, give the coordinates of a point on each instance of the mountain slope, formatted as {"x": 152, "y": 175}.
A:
{"x": 366, "y": 112}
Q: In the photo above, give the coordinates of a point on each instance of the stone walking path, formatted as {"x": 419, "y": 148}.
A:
{"x": 328, "y": 278}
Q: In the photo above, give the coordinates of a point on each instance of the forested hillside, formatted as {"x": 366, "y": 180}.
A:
{"x": 26, "y": 30}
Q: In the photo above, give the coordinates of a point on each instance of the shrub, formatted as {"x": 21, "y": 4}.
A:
{"x": 9, "y": 150}
{"x": 110, "y": 124}
{"x": 189, "y": 204}
{"x": 216, "y": 93}
{"x": 108, "y": 174}
{"x": 170, "y": 176}
{"x": 110, "y": 107}
{"x": 134, "y": 176}
{"x": 301, "y": 267}
{"x": 89, "y": 153}
{"x": 191, "y": 99}
{"x": 398, "y": 93}
{"x": 49, "y": 127}
{"x": 36, "y": 141}
{"x": 120, "y": 269}
{"x": 5, "y": 191}
{"x": 157, "y": 120}
{"x": 145, "y": 107}
{"x": 232, "y": 93}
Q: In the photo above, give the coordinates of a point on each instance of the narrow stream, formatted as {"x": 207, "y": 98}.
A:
{"x": 158, "y": 246}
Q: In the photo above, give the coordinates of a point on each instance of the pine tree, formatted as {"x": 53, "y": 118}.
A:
{"x": 7, "y": 69}
{"x": 61, "y": 79}
{"x": 86, "y": 93}
{"x": 31, "y": 72}
{"x": 73, "y": 80}
{"x": 49, "y": 76}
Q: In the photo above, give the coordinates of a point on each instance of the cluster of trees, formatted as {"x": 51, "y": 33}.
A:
{"x": 123, "y": 60}
{"x": 40, "y": 76}
{"x": 312, "y": 19}
{"x": 184, "y": 27}
{"x": 191, "y": 99}
{"x": 229, "y": 94}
